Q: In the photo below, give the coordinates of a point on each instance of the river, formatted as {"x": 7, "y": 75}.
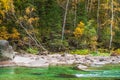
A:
{"x": 107, "y": 72}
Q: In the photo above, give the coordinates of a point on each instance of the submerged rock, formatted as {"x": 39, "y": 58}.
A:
{"x": 80, "y": 67}
{"x": 66, "y": 76}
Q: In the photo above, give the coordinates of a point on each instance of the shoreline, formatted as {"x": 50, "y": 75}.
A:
{"x": 80, "y": 61}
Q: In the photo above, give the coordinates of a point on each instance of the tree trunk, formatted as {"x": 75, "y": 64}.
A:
{"x": 98, "y": 19}
{"x": 91, "y": 3}
{"x": 64, "y": 22}
{"x": 98, "y": 22}
{"x": 75, "y": 12}
{"x": 87, "y": 6}
{"x": 111, "y": 26}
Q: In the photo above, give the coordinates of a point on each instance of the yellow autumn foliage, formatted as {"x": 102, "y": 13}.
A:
{"x": 32, "y": 20}
{"x": 2, "y": 13}
{"x": 28, "y": 10}
{"x": 0, "y": 21}
{"x": 79, "y": 30}
{"x": 15, "y": 34}
{"x": 81, "y": 25}
{"x": 33, "y": 31}
{"x": 7, "y": 5}
{"x": 4, "y": 34}
{"x": 25, "y": 39}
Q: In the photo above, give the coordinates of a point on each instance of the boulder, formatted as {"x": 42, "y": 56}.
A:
{"x": 80, "y": 67}
{"x": 6, "y": 50}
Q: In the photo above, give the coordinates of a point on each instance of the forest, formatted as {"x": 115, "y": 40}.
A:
{"x": 60, "y": 39}
{"x": 75, "y": 26}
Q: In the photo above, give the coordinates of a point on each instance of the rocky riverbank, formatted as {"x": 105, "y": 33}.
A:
{"x": 81, "y": 61}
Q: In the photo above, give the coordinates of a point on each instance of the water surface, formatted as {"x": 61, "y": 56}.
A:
{"x": 108, "y": 72}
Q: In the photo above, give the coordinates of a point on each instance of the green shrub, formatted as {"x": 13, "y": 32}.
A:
{"x": 101, "y": 50}
{"x": 76, "y": 43}
{"x": 99, "y": 53}
{"x": 116, "y": 52}
{"x": 32, "y": 50}
{"x": 80, "y": 52}
{"x": 57, "y": 45}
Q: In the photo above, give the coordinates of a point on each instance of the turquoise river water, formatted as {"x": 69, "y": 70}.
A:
{"x": 108, "y": 72}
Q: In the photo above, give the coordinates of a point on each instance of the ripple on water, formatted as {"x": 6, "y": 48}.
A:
{"x": 100, "y": 73}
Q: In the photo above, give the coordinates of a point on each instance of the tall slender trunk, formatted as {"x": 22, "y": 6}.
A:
{"x": 98, "y": 22}
{"x": 111, "y": 26}
{"x": 64, "y": 22}
{"x": 87, "y": 7}
{"x": 98, "y": 19}
{"x": 75, "y": 13}
{"x": 91, "y": 3}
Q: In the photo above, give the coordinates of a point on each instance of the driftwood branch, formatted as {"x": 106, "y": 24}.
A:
{"x": 38, "y": 44}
